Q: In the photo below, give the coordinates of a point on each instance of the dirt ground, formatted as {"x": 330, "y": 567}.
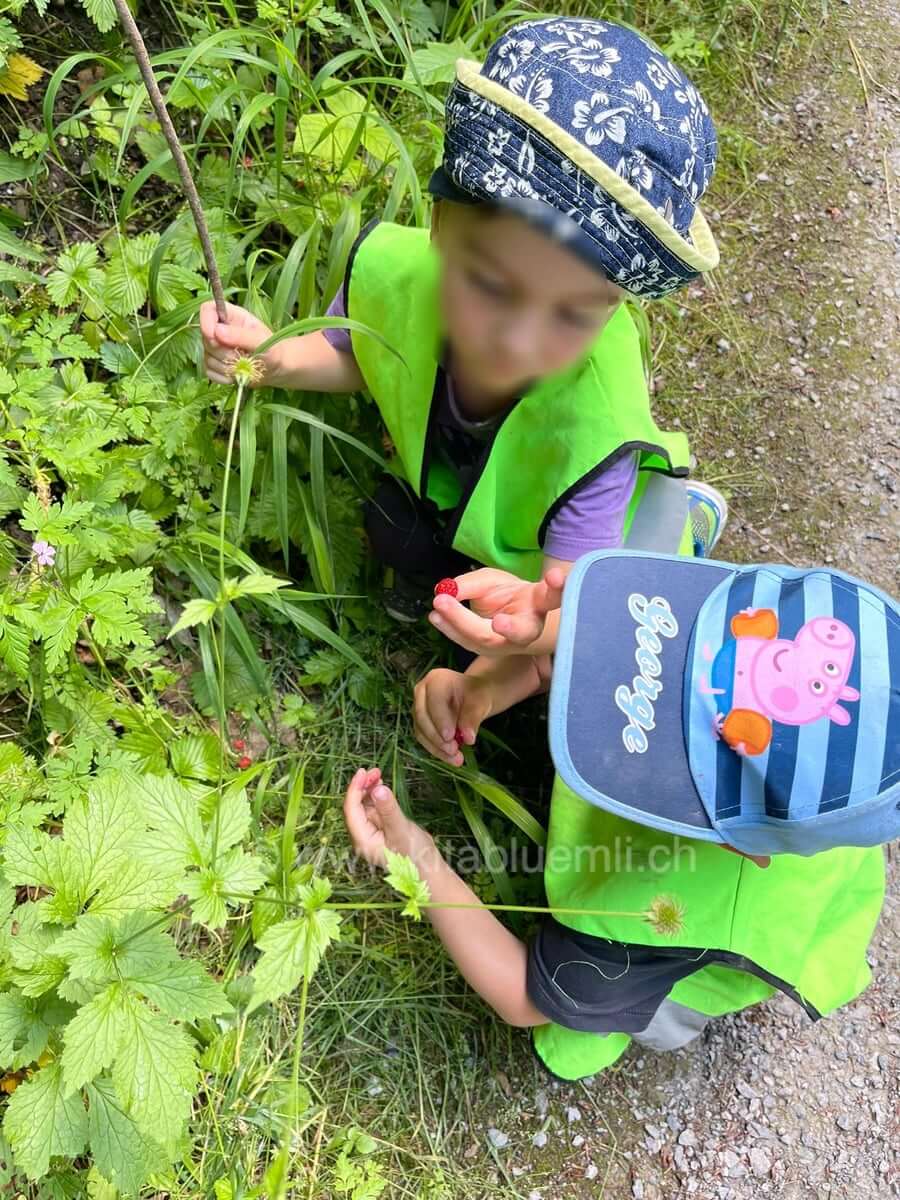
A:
{"x": 793, "y": 408}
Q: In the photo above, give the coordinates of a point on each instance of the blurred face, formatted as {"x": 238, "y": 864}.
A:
{"x": 517, "y": 305}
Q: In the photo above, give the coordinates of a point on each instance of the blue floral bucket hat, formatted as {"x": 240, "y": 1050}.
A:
{"x": 586, "y": 128}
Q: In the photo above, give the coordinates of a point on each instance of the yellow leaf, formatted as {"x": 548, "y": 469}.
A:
{"x": 18, "y": 75}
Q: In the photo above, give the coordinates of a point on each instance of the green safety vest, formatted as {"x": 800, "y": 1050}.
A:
{"x": 568, "y": 427}
{"x": 806, "y": 922}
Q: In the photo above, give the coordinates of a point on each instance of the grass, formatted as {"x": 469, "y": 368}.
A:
{"x": 393, "y": 1042}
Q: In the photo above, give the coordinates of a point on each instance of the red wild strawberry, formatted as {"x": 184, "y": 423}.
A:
{"x": 447, "y": 587}
{"x": 239, "y": 744}
{"x": 244, "y": 762}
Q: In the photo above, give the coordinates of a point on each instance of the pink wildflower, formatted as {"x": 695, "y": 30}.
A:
{"x": 44, "y": 553}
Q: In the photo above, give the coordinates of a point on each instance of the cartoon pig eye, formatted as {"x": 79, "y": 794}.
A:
{"x": 817, "y": 687}
{"x": 832, "y": 669}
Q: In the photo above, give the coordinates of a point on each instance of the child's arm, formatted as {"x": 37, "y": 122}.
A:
{"x": 491, "y": 959}
{"x": 309, "y": 362}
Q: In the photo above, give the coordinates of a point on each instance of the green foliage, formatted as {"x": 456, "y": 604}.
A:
{"x": 97, "y": 993}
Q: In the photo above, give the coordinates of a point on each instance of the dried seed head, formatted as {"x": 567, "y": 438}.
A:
{"x": 666, "y": 915}
{"x": 245, "y": 369}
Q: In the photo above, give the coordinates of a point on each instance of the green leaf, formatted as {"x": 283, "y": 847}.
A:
{"x": 196, "y": 756}
{"x": 153, "y": 880}
{"x": 13, "y": 169}
{"x": 41, "y": 1122}
{"x": 15, "y": 643}
{"x": 293, "y": 949}
{"x": 229, "y": 821}
{"x": 76, "y": 273}
{"x": 25, "y": 1026}
{"x": 119, "y": 1149}
{"x": 101, "y": 12}
{"x": 435, "y": 62}
{"x": 155, "y": 1074}
{"x": 403, "y": 876}
{"x": 195, "y": 612}
{"x": 181, "y": 989}
{"x": 92, "y": 1037}
{"x": 258, "y": 584}
{"x": 230, "y": 880}
{"x": 88, "y": 949}
{"x": 102, "y": 832}
{"x": 173, "y": 815}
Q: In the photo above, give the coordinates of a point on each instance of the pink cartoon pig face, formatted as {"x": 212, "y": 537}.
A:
{"x": 804, "y": 680}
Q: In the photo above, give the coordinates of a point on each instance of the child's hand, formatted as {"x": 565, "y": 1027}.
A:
{"x": 447, "y": 702}
{"x": 241, "y": 335}
{"x": 507, "y": 614}
{"x": 375, "y": 821}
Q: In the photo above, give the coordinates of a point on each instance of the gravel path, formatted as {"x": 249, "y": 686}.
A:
{"x": 767, "y": 1103}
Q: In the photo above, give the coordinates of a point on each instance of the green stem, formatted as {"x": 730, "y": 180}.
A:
{"x": 223, "y": 514}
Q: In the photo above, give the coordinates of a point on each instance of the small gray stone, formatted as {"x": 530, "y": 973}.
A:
{"x": 497, "y": 1139}
{"x": 539, "y": 1139}
{"x": 687, "y": 1138}
{"x": 637, "y": 1189}
{"x": 541, "y": 1103}
{"x": 578, "y": 1140}
{"x": 760, "y": 1162}
{"x": 573, "y": 1114}
{"x": 591, "y": 1171}
{"x": 844, "y": 1121}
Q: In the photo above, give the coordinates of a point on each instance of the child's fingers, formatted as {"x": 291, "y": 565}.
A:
{"x": 521, "y": 629}
{"x": 548, "y": 593}
{"x": 427, "y": 734}
{"x": 208, "y": 320}
{"x": 218, "y": 377}
{"x": 465, "y": 627}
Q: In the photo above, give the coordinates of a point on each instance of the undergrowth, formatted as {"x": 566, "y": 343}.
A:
{"x": 195, "y": 999}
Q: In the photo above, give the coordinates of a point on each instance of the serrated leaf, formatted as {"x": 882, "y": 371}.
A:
{"x": 233, "y": 877}
{"x": 195, "y": 612}
{"x": 41, "y": 1122}
{"x": 15, "y": 644}
{"x": 119, "y": 1149}
{"x": 155, "y": 1074}
{"x": 92, "y": 1037}
{"x": 152, "y": 881}
{"x": 102, "y": 832}
{"x": 25, "y": 1026}
{"x": 403, "y": 876}
{"x": 87, "y": 948}
{"x": 196, "y": 756}
{"x": 76, "y": 273}
{"x": 173, "y": 815}
{"x": 229, "y": 821}
{"x": 258, "y": 584}
{"x": 293, "y": 949}
{"x": 181, "y": 989}
{"x": 102, "y": 13}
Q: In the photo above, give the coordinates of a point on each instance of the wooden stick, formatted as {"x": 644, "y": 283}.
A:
{"x": 159, "y": 107}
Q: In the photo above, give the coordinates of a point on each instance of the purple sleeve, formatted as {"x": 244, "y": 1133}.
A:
{"x": 339, "y": 338}
{"x": 593, "y": 518}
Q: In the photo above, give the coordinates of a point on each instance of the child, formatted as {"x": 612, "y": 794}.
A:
{"x": 574, "y": 161}
{"x": 695, "y": 707}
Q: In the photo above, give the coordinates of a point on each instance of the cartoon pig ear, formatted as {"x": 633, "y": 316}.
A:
{"x": 839, "y": 715}
{"x": 849, "y": 693}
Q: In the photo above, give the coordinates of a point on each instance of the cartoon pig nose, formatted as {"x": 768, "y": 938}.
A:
{"x": 831, "y": 632}
{"x": 785, "y": 698}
